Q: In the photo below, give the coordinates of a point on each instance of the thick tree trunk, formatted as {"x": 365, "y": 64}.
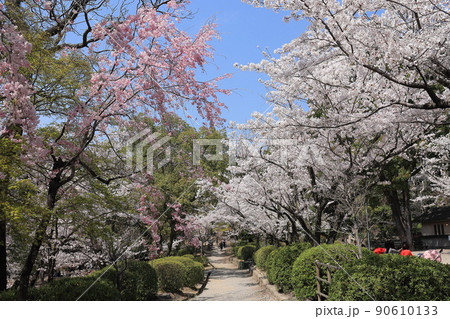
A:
{"x": 401, "y": 215}
{"x": 24, "y": 280}
{"x": 3, "y": 265}
{"x": 3, "y": 252}
{"x": 39, "y": 236}
{"x": 171, "y": 237}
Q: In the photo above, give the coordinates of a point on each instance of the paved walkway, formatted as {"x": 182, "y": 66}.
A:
{"x": 228, "y": 283}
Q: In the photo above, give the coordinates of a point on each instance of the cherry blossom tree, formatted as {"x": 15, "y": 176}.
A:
{"x": 436, "y": 165}
{"x": 130, "y": 61}
{"x": 370, "y": 80}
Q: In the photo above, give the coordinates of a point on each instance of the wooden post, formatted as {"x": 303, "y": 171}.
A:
{"x": 320, "y": 294}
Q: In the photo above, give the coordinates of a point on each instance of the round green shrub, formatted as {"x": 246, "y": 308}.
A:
{"x": 70, "y": 289}
{"x": 194, "y": 271}
{"x": 202, "y": 259}
{"x": 136, "y": 280}
{"x": 235, "y": 249}
{"x": 190, "y": 256}
{"x": 304, "y": 271}
{"x": 171, "y": 274}
{"x": 246, "y": 252}
{"x": 186, "y": 251}
{"x": 269, "y": 265}
{"x": 392, "y": 277}
{"x": 279, "y": 267}
{"x": 261, "y": 255}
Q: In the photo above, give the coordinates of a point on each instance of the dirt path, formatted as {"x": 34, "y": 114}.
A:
{"x": 227, "y": 283}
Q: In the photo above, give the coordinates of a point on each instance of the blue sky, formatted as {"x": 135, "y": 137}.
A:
{"x": 245, "y": 32}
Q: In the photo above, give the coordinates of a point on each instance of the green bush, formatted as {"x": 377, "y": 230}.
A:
{"x": 202, "y": 259}
{"x": 246, "y": 252}
{"x": 191, "y": 274}
{"x": 190, "y": 256}
{"x": 70, "y": 289}
{"x": 235, "y": 249}
{"x": 136, "y": 280}
{"x": 279, "y": 266}
{"x": 303, "y": 270}
{"x": 8, "y": 295}
{"x": 392, "y": 278}
{"x": 171, "y": 274}
{"x": 269, "y": 266}
{"x": 261, "y": 255}
{"x": 194, "y": 271}
{"x": 186, "y": 251}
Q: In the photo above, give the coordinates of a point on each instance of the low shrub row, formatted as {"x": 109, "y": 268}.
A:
{"x": 70, "y": 289}
{"x": 246, "y": 252}
{"x": 392, "y": 277}
{"x": 130, "y": 280}
{"x": 135, "y": 280}
{"x": 369, "y": 277}
{"x": 303, "y": 269}
{"x": 235, "y": 247}
{"x": 279, "y": 265}
{"x": 261, "y": 255}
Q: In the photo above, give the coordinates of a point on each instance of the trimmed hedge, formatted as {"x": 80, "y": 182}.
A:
{"x": 235, "y": 249}
{"x": 269, "y": 266}
{"x": 136, "y": 280}
{"x": 186, "y": 251}
{"x": 189, "y": 275}
{"x": 70, "y": 289}
{"x": 202, "y": 259}
{"x": 279, "y": 265}
{"x": 392, "y": 277}
{"x": 241, "y": 243}
{"x": 261, "y": 255}
{"x": 246, "y": 252}
{"x": 194, "y": 271}
{"x": 171, "y": 274}
{"x": 303, "y": 270}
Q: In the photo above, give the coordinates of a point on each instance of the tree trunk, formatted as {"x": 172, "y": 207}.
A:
{"x": 39, "y": 236}
{"x": 401, "y": 215}
{"x": 3, "y": 267}
{"x": 3, "y": 252}
{"x": 171, "y": 237}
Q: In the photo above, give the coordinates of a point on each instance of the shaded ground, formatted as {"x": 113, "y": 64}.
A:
{"x": 227, "y": 283}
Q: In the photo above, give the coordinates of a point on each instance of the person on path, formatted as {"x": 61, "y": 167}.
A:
{"x": 221, "y": 245}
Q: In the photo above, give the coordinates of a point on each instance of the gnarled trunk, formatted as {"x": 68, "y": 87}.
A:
{"x": 401, "y": 214}
{"x": 24, "y": 281}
